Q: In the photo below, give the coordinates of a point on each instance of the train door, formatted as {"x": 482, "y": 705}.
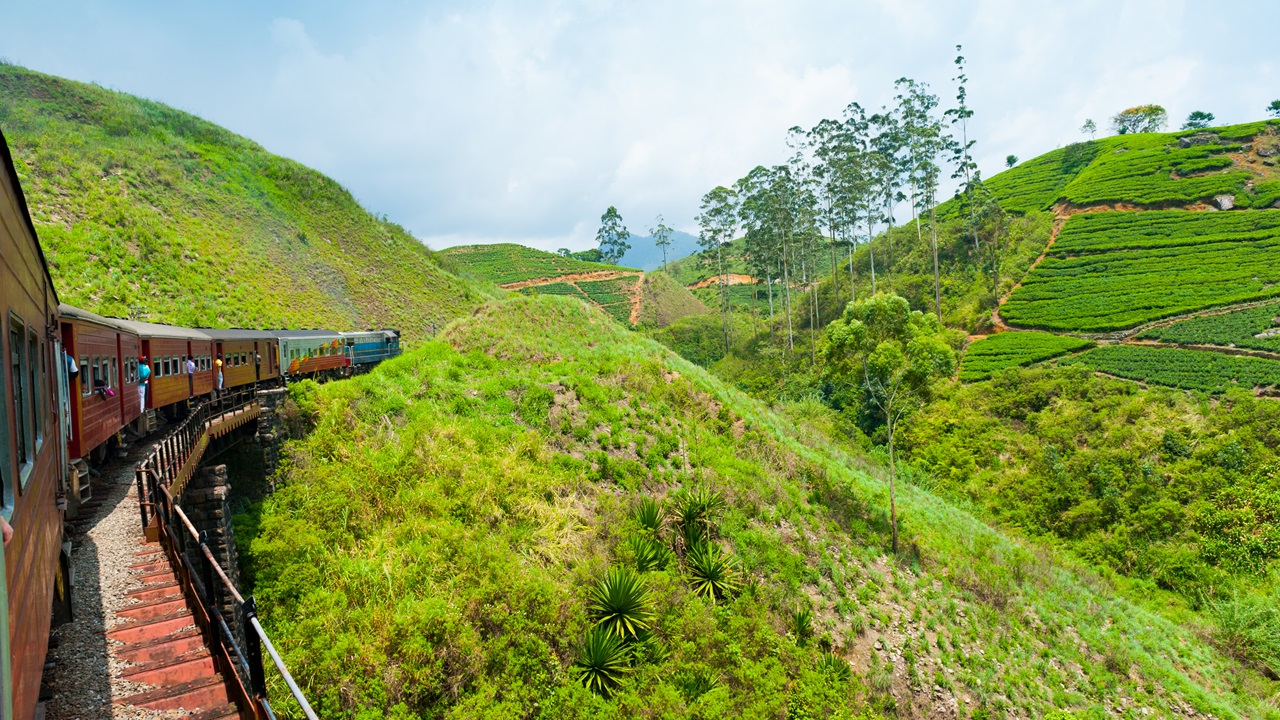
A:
{"x": 6, "y": 687}
{"x": 218, "y": 362}
{"x": 257, "y": 363}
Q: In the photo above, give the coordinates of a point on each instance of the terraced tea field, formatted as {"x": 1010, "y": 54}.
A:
{"x": 1256, "y": 328}
{"x": 1014, "y": 349}
{"x": 507, "y": 263}
{"x": 1117, "y": 270}
{"x": 1186, "y": 369}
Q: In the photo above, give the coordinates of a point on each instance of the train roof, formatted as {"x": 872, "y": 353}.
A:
{"x": 236, "y": 334}
{"x": 303, "y": 334}
{"x": 75, "y": 313}
{"x": 6, "y": 165}
{"x": 156, "y": 330}
{"x": 381, "y": 333}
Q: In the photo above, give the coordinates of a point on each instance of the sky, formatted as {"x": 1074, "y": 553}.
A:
{"x": 522, "y": 121}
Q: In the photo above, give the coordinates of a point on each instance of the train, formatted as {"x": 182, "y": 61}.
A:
{"x": 73, "y": 388}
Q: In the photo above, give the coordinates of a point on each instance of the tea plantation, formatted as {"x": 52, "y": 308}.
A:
{"x": 1257, "y": 328}
{"x": 506, "y": 263}
{"x": 1186, "y": 369}
{"x": 1113, "y": 271}
{"x": 1014, "y": 349}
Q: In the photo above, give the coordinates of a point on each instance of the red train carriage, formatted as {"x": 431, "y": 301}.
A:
{"x": 167, "y": 348}
{"x": 32, "y": 450}
{"x": 248, "y": 356}
{"x": 104, "y": 395}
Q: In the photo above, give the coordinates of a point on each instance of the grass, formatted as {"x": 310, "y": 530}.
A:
{"x": 148, "y": 212}
{"x": 664, "y": 301}
{"x": 465, "y": 592}
{"x": 1186, "y": 369}
{"x": 1112, "y": 271}
{"x": 1014, "y": 349}
{"x": 1255, "y": 328}
{"x": 506, "y": 263}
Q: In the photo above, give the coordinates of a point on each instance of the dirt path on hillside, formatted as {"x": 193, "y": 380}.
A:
{"x": 637, "y": 299}
{"x": 571, "y": 278}
{"x": 734, "y": 279}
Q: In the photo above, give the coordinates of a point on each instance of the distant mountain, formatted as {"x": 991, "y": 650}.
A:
{"x": 647, "y": 256}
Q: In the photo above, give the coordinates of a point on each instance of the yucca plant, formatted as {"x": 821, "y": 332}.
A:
{"x": 802, "y": 623}
{"x": 696, "y": 512}
{"x": 603, "y": 662}
{"x": 834, "y": 667}
{"x": 619, "y": 603}
{"x": 711, "y": 571}
{"x": 648, "y": 553}
{"x": 649, "y": 514}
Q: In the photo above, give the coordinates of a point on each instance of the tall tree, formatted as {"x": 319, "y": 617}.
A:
{"x": 1140, "y": 119}
{"x": 612, "y": 236}
{"x": 1198, "y": 120}
{"x": 925, "y": 141}
{"x": 894, "y": 355}
{"x": 718, "y": 221}
{"x": 1090, "y": 127}
{"x": 962, "y": 156}
{"x": 1274, "y": 108}
{"x": 662, "y": 238}
{"x": 892, "y": 165}
{"x": 1010, "y": 160}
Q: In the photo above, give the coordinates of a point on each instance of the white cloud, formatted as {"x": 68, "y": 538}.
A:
{"x": 509, "y": 121}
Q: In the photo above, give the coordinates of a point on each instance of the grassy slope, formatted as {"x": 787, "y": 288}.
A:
{"x": 665, "y": 301}
{"x": 505, "y": 263}
{"x": 526, "y": 449}
{"x": 147, "y": 211}
{"x": 662, "y": 300}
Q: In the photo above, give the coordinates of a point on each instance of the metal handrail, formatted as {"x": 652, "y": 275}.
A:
{"x": 170, "y": 462}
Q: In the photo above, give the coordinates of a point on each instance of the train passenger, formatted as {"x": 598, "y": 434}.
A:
{"x": 144, "y": 375}
{"x": 8, "y": 530}
{"x": 218, "y": 362}
{"x": 191, "y": 375}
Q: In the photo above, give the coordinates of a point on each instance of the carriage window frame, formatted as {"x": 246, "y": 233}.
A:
{"x": 7, "y": 494}
{"x": 18, "y": 367}
{"x": 37, "y": 376}
{"x": 86, "y": 387}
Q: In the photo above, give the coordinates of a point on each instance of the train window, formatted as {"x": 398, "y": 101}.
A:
{"x": 115, "y": 372}
{"x": 85, "y": 386}
{"x": 25, "y": 450}
{"x": 6, "y": 450}
{"x": 35, "y": 380}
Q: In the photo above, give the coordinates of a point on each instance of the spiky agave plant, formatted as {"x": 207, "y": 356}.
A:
{"x": 711, "y": 571}
{"x": 649, "y": 554}
{"x": 619, "y": 603}
{"x": 834, "y": 667}
{"x": 802, "y": 621}
{"x": 696, "y": 511}
{"x": 603, "y": 661}
{"x": 649, "y": 514}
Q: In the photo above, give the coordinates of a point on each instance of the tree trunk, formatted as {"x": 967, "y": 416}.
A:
{"x": 724, "y": 296}
{"x": 871, "y": 250}
{"x": 933, "y": 230}
{"x": 893, "y": 499}
{"x": 888, "y": 263}
{"x": 853, "y": 295}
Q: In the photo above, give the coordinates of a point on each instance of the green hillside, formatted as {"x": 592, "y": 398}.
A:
{"x": 148, "y": 212}
{"x": 649, "y": 299}
{"x": 507, "y": 263}
{"x": 537, "y": 458}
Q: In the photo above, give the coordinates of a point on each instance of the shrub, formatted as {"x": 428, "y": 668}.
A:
{"x": 602, "y": 663}
{"x": 1249, "y": 628}
{"x": 711, "y": 571}
{"x": 619, "y": 603}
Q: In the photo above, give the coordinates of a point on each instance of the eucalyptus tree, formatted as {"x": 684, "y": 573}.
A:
{"x": 805, "y": 212}
{"x": 661, "y": 238}
{"x": 861, "y": 167}
{"x": 612, "y": 236}
{"x": 892, "y": 165}
{"x": 718, "y": 220}
{"x": 961, "y": 156}
{"x": 925, "y": 140}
